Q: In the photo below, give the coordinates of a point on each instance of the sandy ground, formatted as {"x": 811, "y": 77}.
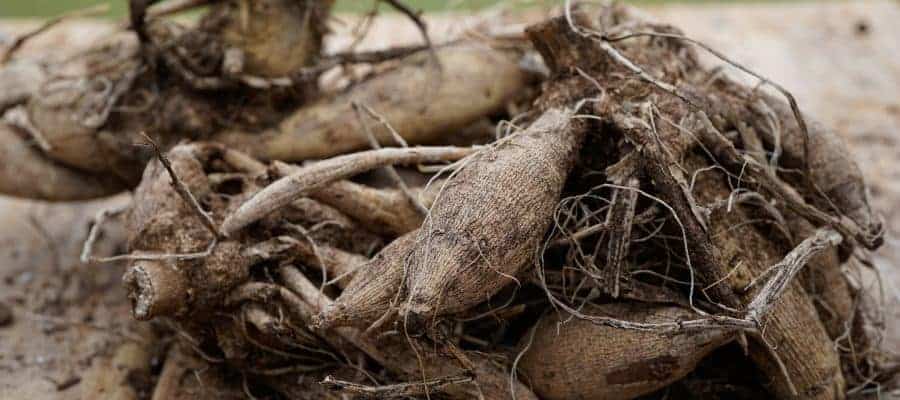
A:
{"x": 841, "y": 60}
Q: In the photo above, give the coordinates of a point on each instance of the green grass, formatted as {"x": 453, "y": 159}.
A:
{"x": 47, "y": 8}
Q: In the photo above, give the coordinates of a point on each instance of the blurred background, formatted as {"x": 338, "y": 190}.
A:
{"x": 45, "y": 8}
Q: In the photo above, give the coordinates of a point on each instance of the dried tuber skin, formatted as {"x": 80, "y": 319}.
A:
{"x": 373, "y": 288}
{"x": 70, "y": 112}
{"x": 415, "y": 359}
{"x": 86, "y": 112}
{"x": 576, "y": 359}
{"x": 839, "y": 307}
{"x": 489, "y": 218}
{"x": 793, "y": 325}
{"x": 422, "y": 103}
{"x": 834, "y": 183}
{"x": 824, "y": 281}
{"x": 26, "y": 172}
{"x": 648, "y": 110}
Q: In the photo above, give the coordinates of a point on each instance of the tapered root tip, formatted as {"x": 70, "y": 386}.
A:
{"x": 155, "y": 290}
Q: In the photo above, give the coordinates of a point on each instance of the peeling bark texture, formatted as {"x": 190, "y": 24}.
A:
{"x": 620, "y": 219}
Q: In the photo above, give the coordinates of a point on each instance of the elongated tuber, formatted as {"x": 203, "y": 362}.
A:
{"x": 419, "y": 100}
{"x": 26, "y": 172}
{"x": 575, "y": 359}
{"x": 477, "y": 237}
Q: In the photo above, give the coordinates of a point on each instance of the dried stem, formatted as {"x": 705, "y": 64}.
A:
{"x": 787, "y": 269}
{"x": 399, "y": 390}
{"x": 620, "y": 219}
{"x": 392, "y": 172}
{"x": 319, "y": 174}
{"x": 659, "y": 167}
